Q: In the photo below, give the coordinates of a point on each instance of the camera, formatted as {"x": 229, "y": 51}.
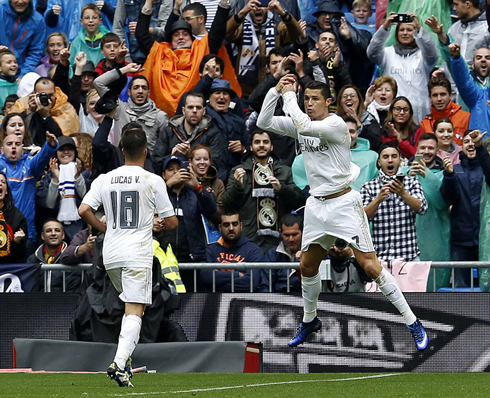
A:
{"x": 340, "y": 244}
{"x": 403, "y": 18}
{"x": 43, "y": 99}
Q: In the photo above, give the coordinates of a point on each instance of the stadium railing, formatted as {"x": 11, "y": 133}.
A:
{"x": 269, "y": 266}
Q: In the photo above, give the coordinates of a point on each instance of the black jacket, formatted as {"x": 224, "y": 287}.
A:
{"x": 16, "y": 220}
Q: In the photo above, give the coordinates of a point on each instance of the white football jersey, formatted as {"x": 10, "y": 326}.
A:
{"x": 130, "y": 195}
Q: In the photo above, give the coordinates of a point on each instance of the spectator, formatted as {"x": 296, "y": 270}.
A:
{"x": 231, "y": 126}
{"x": 201, "y": 161}
{"x": 410, "y": 61}
{"x": 261, "y": 189}
{"x": 400, "y": 127}
{"x": 126, "y": 19}
{"x": 47, "y": 109}
{"x": 8, "y": 75}
{"x": 84, "y": 148}
{"x": 15, "y": 123}
{"x": 192, "y": 128}
{"x": 362, "y": 11}
{"x": 49, "y": 252}
{"x": 232, "y": 247}
{"x": 190, "y": 201}
{"x": 23, "y": 32}
{"x": 65, "y": 15}
{"x": 114, "y": 50}
{"x": 350, "y": 102}
{"x": 139, "y": 108}
{"x": 442, "y": 106}
{"x": 291, "y": 6}
{"x": 254, "y": 32}
{"x": 172, "y": 67}
{"x": 89, "y": 37}
{"x": 291, "y": 229}
{"x": 13, "y": 227}
{"x": 22, "y": 171}
{"x": 461, "y": 188}
{"x": 9, "y": 103}
{"x": 444, "y": 131}
{"x": 352, "y": 42}
{"x": 62, "y": 189}
{"x": 474, "y": 95}
{"x": 433, "y": 228}
{"x": 55, "y": 42}
{"x": 89, "y": 123}
{"x": 391, "y": 204}
{"x": 379, "y": 97}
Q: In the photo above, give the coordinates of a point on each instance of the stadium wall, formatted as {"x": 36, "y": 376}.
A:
{"x": 361, "y": 332}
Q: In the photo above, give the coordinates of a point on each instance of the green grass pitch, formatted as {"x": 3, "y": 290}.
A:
{"x": 63, "y": 385}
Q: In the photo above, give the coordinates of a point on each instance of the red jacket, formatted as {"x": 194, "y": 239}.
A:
{"x": 458, "y": 117}
{"x": 408, "y": 147}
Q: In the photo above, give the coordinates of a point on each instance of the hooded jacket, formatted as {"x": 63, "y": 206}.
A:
{"x": 24, "y": 35}
{"x": 366, "y": 159}
{"x": 242, "y": 251}
{"x": 459, "y": 118}
{"x": 79, "y": 44}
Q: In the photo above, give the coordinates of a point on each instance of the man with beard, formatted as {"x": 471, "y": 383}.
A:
{"x": 473, "y": 89}
{"x": 139, "y": 108}
{"x": 461, "y": 188}
{"x": 232, "y": 247}
{"x": 262, "y": 190}
{"x": 189, "y": 129}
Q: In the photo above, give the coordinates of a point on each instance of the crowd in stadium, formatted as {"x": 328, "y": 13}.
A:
{"x": 409, "y": 77}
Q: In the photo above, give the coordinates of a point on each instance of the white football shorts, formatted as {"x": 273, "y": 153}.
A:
{"x": 133, "y": 283}
{"x": 342, "y": 217}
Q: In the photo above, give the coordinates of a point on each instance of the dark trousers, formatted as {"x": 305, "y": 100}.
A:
{"x": 462, "y": 276}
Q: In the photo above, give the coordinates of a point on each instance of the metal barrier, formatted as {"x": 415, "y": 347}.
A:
{"x": 270, "y": 266}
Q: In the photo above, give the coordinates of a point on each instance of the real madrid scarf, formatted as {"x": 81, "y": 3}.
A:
{"x": 68, "y": 211}
{"x": 267, "y": 204}
{"x": 6, "y": 236}
{"x": 248, "y": 69}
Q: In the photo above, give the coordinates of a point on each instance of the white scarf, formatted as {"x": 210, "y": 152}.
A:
{"x": 374, "y": 107}
{"x": 66, "y": 188}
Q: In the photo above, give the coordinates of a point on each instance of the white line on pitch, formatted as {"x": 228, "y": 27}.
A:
{"x": 259, "y": 385}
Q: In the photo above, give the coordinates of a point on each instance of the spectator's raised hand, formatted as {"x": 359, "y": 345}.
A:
{"x": 251, "y": 5}
{"x": 212, "y": 69}
{"x": 336, "y": 57}
{"x": 286, "y": 81}
{"x": 298, "y": 60}
{"x": 438, "y": 73}
{"x": 131, "y": 68}
{"x": 384, "y": 193}
{"x": 415, "y": 21}
{"x": 394, "y": 132}
{"x": 276, "y": 184}
{"x": 390, "y": 20}
{"x": 87, "y": 246}
{"x": 132, "y": 27}
{"x": 79, "y": 168}
{"x": 302, "y": 24}
{"x": 122, "y": 51}
{"x": 81, "y": 59}
{"x": 19, "y": 236}
{"x": 236, "y": 146}
{"x": 455, "y": 50}
{"x": 477, "y": 137}
{"x": 193, "y": 181}
{"x": 65, "y": 55}
{"x": 181, "y": 149}
{"x": 434, "y": 25}
{"x": 182, "y": 176}
{"x": 447, "y": 164}
{"x": 238, "y": 175}
{"x": 369, "y": 97}
{"x": 51, "y": 139}
{"x": 397, "y": 187}
{"x": 276, "y": 7}
{"x": 418, "y": 168}
{"x": 31, "y": 103}
{"x": 55, "y": 170}
{"x": 56, "y": 9}
{"x": 313, "y": 55}
{"x": 344, "y": 29}
{"x": 99, "y": 4}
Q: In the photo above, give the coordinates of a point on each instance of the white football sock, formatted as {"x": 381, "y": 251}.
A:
{"x": 311, "y": 288}
{"x": 389, "y": 287}
{"x": 128, "y": 339}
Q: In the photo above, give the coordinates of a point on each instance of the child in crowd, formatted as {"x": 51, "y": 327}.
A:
{"x": 8, "y": 75}
{"x": 114, "y": 51}
{"x": 90, "y": 36}
{"x": 362, "y": 11}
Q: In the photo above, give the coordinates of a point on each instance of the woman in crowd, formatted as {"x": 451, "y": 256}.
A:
{"x": 443, "y": 129}
{"x": 13, "y": 227}
{"x": 400, "y": 128}
{"x": 379, "y": 96}
{"x": 15, "y": 123}
{"x": 84, "y": 148}
{"x": 410, "y": 60}
{"x": 54, "y": 44}
{"x": 350, "y": 103}
{"x": 200, "y": 160}
{"x": 89, "y": 123}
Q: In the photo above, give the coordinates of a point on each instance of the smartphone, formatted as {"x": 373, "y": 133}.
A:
{"x": 418, "y": 157}
{"x": 403, "y": 18}
{"x": 185, "y": 165}
{"x": 95, "y": 231}
{"x": 400, "y": 177}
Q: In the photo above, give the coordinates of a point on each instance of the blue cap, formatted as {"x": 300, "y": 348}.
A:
{"x": 172, "y": 159}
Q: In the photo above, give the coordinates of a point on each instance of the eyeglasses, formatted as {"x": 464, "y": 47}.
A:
{"x": 398, "y": 109}
{"x": 188, "y": 19}
{"x": 353, "y": 95}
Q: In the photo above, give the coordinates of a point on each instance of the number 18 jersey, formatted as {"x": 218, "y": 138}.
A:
{"x": 130, "y": 195}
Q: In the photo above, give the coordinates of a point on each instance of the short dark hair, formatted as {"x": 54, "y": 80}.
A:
{"x": 290, "y": 219}
{"x": 349, "y": 119}
{"x": 90, "y": 6}
{"x": 52, "y": 219}
{"x": 439, "y": 81}
{"x": 198, "y": 9}
{"x": 474, "y": 3}
{"x": 258, "y": 131}
{"x": 281, "y": 51}
{"x": 10, "y": 98}
{"x": 133, "y": 140}
{"x": 429, "y": 136}
{"x": 228, "y": 213}
{"x": 323, "y": 87}
{"x": 139, "y": 77}
{"x": 43, "y": 80}
{"x": 194, "y": 93}
{"x": 467, "y": 132}
{"x": 110, "y": 38}
{"x": 207, "y": 57}
{"x": 6, "y": 52}
{"x": 385, "y": 145}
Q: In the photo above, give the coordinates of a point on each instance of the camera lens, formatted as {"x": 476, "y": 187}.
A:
{"x": 340, "y": 244}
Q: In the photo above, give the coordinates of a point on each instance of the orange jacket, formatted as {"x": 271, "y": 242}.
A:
{"x": 458, "y": 117}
